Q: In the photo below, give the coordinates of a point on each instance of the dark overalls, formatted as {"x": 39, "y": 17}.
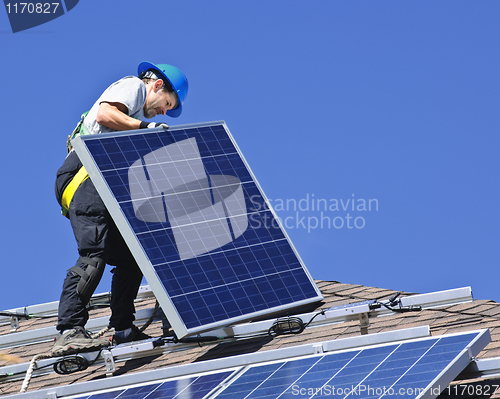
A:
{"x": 97, "y": 237}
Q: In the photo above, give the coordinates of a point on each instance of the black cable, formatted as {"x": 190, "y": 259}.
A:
{"x": 317, "y": 314}
{"x": 151, "y": 318}
{"x": 25, "y": 315}
{"x": 189, "y": 340}
{"x": 400, "y": 309}
{"x": 392, "y": 299}
{"x": 72, "y": 364}
{"x": 5, "y": 375}
{"x": 288, "y": 325}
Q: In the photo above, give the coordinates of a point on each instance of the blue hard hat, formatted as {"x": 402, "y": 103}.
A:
{"x": 175, "y": 77}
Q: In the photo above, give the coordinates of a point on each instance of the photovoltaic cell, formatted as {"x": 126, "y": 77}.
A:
{"x": 198, "y": 224}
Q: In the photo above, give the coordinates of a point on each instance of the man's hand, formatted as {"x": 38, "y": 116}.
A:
{"x": 152, "y": 125}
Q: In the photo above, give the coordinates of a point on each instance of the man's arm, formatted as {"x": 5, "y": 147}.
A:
{"x": 114, "y": 116}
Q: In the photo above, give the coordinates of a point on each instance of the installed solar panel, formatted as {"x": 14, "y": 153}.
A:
{"x": 421, "y": 368}
{"x": 197, "y": 223}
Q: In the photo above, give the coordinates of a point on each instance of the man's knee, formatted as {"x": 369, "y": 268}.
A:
{"x": 90, "y": 276}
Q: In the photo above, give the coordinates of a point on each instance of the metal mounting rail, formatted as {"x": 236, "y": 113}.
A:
{"x": 362, "y": 311}
{"x": 440, "y": 298}
{"x": 50, "y": 308}
{"x": 48, "y": 333}
{"x": 127, "y": 352}
{"x": 481, "y": 368}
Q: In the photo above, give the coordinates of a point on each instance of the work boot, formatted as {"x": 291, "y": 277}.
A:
{"x": 125, "y": 336}
{"x": 77, "y": 340}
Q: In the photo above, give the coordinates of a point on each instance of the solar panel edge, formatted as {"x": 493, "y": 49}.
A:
{"x": 462, "y": 360}
{"x": 171, "y": 128}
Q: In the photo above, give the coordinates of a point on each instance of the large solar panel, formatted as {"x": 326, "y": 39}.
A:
{"x": 420, "y": 368}
{"x": 197, "y": 222}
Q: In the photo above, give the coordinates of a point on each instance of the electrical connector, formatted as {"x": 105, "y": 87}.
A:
{"x": 288, "y": 325}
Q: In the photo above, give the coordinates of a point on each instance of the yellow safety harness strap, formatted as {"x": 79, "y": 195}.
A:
{"x": 70, "y": 189}
{"x": 81, "y": 175}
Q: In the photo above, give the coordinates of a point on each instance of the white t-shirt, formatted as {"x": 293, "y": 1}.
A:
{"x": 129, "y": 91}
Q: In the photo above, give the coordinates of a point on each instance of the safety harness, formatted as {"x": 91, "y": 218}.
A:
{"x": 81, "y": 175}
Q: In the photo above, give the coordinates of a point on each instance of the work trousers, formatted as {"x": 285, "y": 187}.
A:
{"x": 97, "y": 236}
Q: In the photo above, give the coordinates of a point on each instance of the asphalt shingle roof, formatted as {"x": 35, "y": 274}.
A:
{"x": 474, "y": 315}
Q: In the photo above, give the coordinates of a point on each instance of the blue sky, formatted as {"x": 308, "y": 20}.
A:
{"x": 389, "y": 101}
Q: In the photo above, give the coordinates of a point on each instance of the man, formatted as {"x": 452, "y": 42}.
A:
{"x": 159, "y": 90}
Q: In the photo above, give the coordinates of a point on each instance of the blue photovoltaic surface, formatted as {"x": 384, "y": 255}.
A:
{"x": 201, "y": 219}
{"x": 183, "y": 388}
{"x": 404, "y": 369}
